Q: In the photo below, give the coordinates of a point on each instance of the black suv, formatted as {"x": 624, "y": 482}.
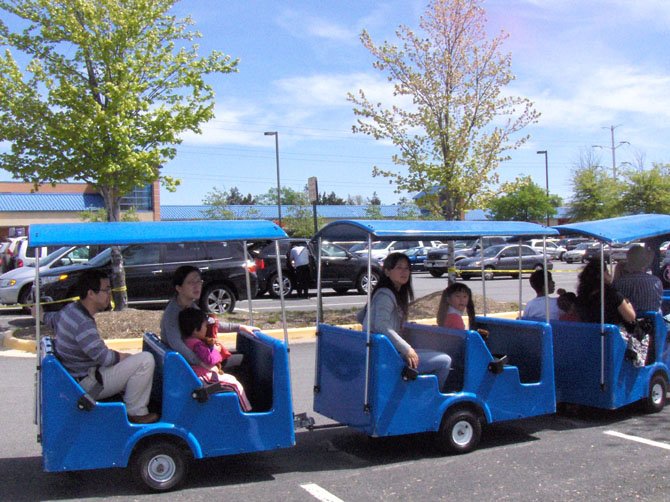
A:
{"x": 340, "y": 269}
{"x": 150, "y": 267}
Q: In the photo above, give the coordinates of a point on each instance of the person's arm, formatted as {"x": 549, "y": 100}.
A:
{"x": 230, "y": 327}
{"x": 90, "y": 342}
{"x": 383, "y": 315}
{"x": 626, "y": 311}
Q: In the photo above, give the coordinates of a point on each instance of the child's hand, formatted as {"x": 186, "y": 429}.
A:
{"x": 484, "y": 333}
{"x": 210, "y": 341}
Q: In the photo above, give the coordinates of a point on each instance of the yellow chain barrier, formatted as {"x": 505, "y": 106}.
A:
{"x": 67, "y": 300}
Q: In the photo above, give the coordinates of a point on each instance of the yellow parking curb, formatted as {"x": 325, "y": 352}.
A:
{"x": 295, "y": 335}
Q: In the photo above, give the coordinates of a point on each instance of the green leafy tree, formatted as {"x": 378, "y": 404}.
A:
{"x": 375, "y": 200}
{"x": 289, "y": 197}
{"x": 522, "y": 200}
{"x": 217, "y": 202}
{"x": 593, "y": 189}
{"x": 100, "y": 215}
{"x": 647, "y": 191}
{"x": 299, "y": 222}
{"x": 331, "y": 199}
{"x": 461, "y": 121}
{"x": 107, "y": 91}
{"x": 595, "y": 194}
{"x": 374, "y": 212}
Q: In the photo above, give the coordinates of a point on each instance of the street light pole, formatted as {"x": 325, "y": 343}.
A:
{"x": 276, "y": 135}
{"x": 546, "y": 174}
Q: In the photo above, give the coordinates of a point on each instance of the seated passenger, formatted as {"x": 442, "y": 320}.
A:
{"x": 536, "y": 308}
{"x": 193, "y": 325}
{"x": 455, "y": 302}
{"x": 100, "y": 371}
{"x": 187, "y": 283}
{"x": 567, "y": 306}
{"x": 388, "y": 312}
{"x": 644, "y": 290}
{"x": 617, "y": 309}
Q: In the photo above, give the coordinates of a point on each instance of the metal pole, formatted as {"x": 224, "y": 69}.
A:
{"x": 613, "y": 153}
{"x": 546, "y": 174}
{"x": 276, "y": 135}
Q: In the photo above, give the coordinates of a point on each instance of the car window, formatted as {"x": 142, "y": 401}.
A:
{"x": 178, "y": 252}
{"x": 142, "y": 255}
{"x": 226, "y": 250}
{"x": 491, "y": 251}
{"x": 331, "y": 251}
{"x": 527, "y": 251}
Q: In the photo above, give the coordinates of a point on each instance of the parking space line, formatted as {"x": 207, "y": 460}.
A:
{"x": 319, "y": 493}
{"x": 638, "y": 439}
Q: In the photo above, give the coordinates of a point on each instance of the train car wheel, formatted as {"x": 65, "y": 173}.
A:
{"x": 460, "y": 432}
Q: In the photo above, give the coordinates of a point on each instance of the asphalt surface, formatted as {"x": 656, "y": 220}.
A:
{"x": 591, "y": 455}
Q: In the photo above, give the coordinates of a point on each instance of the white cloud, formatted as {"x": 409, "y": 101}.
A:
{"x": 301, "y": 25}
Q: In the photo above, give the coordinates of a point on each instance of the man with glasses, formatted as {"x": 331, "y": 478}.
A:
{"x": 101, "y": 372}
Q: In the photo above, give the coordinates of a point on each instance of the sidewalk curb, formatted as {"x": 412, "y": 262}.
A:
{"x": 295, "y": 335}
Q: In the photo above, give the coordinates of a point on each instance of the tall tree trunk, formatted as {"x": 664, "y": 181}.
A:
{"x": 118, "y": 278}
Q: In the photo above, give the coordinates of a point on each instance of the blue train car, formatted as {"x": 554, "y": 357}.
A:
{"x": 197, "y": 421}
{"x": 359, "y": 375}
{"x": 590, "y": 364}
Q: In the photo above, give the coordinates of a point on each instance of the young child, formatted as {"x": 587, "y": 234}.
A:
{"x": 536, "y": 308}
{"x": 193, "y": 325}
{"x": 455, "y": 302}
{"x": 567, "y": 304}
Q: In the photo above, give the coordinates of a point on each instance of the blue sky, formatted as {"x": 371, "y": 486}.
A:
{"x": 587, "y": 65}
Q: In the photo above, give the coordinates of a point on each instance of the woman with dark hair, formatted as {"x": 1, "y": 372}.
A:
{"x": 388, "y": 311}
{"x": 618, "y": 310}
{"x": 187, "y": 283}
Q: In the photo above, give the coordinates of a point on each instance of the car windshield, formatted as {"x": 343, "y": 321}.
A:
{"x": 100, "y": 259}
{"x": 464, "y": 244}
{"x": 584, "y": 245}
{"x": 492, "y": 251}
{"x": 51, "y": 257}
{"x": 380, "y": 245}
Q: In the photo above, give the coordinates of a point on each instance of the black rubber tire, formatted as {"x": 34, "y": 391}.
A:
{"x": 459, "y": 432}
{"x": 218, "y": 299}
{"x": 362, "y": 281}
{"x": 160, "y": 467}
{"x": 25, "y": 297}
{"x": 658, "y": 388}
{"x": 274, "y": 285}
{"x": 436, "y": 273}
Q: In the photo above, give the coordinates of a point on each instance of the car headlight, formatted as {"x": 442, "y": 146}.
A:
{"x": 477, "y": 263}
{"x": 53, "y": 278}
{"x": 7, "y": 283}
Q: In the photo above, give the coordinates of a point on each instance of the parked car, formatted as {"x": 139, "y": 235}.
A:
{"x": 611, "y": 252}
{"x": 381, "y": 249}
{"x": 577, "y": 253}
{"x": 572, "y": 242}
{"x": 502, "y": 259}
{"x": 8, "y": 253}
{"x": 16, "y": 285}
{"x": 25, "y": 255}
{"x": 551, "y": 248}
{"x": 149, "y": 269}
{"x": 437, "y": 260}
{"x": 341, "y": 270}
{"x": 417, "y": 257}
{"x": 266, "y": 267}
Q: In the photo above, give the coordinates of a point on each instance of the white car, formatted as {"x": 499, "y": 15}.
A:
{"x": 16, "y": 285}
{"x": 553, "y": 250}
{"x": 381, "y": 249}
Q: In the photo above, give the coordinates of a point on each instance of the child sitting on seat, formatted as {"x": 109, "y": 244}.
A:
{"x": 455, "y": 302}
{"x": 536, "y": 308}
{"x": 193, "y": 325}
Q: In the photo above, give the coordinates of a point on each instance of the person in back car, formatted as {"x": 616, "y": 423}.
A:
{"x": 644, "y": 290}
{"x": 536, "y": 308}
{"x": 81, "y": 350}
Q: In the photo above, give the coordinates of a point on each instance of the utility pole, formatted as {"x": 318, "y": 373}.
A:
{"x": 613, "y": 147}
